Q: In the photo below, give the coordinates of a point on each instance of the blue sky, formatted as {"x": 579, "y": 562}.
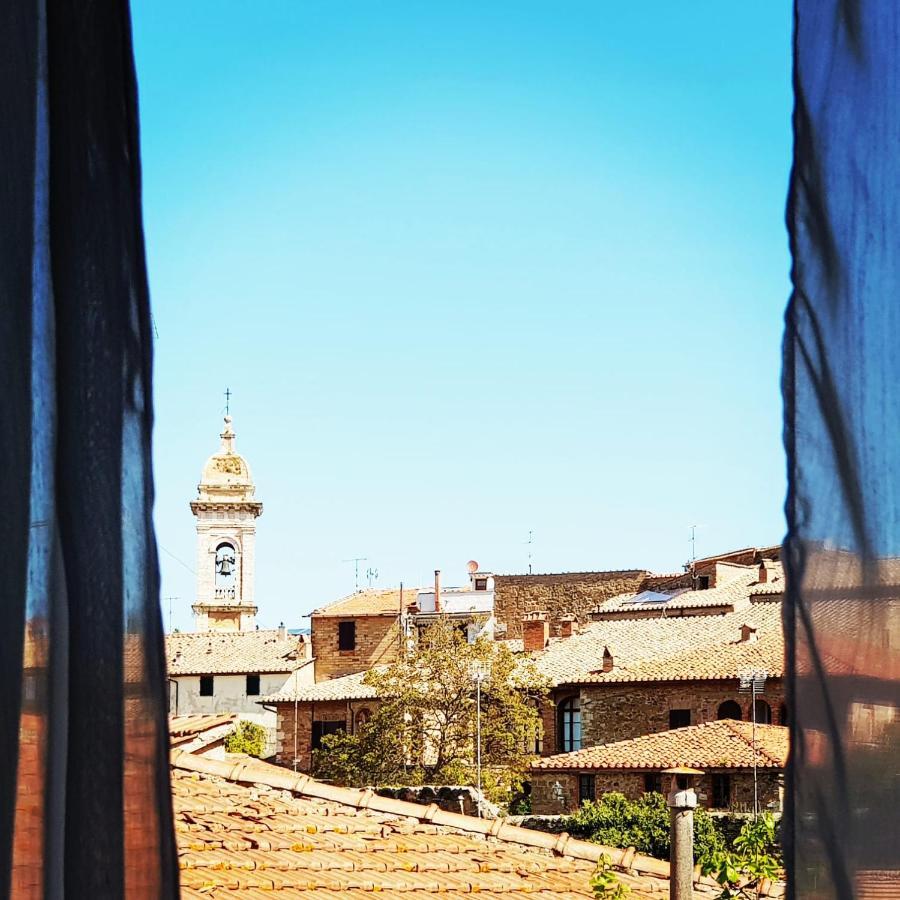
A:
{"x": 470, "y": 270}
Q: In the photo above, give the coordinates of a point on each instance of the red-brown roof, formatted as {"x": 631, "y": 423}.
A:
{"x": 726, "y": 744}
{"x": 257, "y": 831}
{"x": 369, "y": 603}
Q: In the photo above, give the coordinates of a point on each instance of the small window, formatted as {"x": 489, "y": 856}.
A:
{"x": 587, "y": 788}
{"x": 730, "y": 710}
{"x": 206, "y": 685}
{"x": 653, "y": 783}
{"x": 253, "y": 685}
{"x": 347, "y": 635}
{"x": 703, "y": 582}
{"x": 568, "y": 724}
{"x": 763, "y": 712}
{"x": 481, "y": 584}
{"x": 320, "y": 729}
{"x": 721, "y": 791}
{"x": 679, "y": 718}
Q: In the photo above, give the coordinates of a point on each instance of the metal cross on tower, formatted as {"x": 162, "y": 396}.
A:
{"x": 227, "y": 401}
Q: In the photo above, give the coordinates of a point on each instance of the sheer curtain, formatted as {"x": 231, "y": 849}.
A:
{"x": 842, "y": 433}
{"x": 85, "y": 808}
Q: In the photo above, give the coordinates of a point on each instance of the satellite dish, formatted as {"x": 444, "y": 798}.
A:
{"x": 472, "y": 566}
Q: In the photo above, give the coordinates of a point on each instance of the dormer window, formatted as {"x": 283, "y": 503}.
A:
{"x": 481, "y": 584}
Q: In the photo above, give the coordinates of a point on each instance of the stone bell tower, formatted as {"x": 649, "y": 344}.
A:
{"x": 226, "y": 535}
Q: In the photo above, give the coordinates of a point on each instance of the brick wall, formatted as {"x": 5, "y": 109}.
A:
{"x": 619, "y": 712}
{"x": 547, "y": 799}
{"x": 377, "y": 643}
{"x": 574, "y": 592}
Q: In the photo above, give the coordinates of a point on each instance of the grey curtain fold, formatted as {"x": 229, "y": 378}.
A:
{"x": 842, "y": 434}
{"x": 85, "y": 807}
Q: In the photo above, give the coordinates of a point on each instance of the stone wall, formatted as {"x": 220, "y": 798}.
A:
{"x": 617, "y": 712}
{"x": 343, "y": 711}
{"x": 548, "y": 799}
{"x": 557, "y": 595}
{"x": 377, "y": 643}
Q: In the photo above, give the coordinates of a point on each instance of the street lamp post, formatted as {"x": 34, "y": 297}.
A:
{"x": 478, "y": 676}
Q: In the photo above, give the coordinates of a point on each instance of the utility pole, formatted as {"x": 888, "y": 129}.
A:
{"x": 478, "y": 675}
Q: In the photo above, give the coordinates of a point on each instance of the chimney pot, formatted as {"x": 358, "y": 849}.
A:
{"x": 607, "y": 660}
{"x": 566, "y": 626}
{"x": 535, "y": 631}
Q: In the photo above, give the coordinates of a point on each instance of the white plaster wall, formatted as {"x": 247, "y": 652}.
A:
{"x": 229, "y": 696}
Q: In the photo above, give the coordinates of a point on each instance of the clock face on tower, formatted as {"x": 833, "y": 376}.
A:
{"x": 225, "y": 562}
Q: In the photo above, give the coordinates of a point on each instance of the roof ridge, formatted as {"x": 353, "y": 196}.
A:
{"x": 285, "y": 779}
{"x": 739, "y": 728}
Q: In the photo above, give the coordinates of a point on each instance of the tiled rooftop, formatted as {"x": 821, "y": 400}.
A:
{"x": 255, "y": 831}
{"x": 369, "y": 603}
{"x": 725, "y": 744}
{"x": 652, "y": 649}
{"x": 348, "y": 687}
{"x": 233, "y": 652}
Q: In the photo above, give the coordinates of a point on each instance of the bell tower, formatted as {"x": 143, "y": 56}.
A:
{"x": 226, "y": 514}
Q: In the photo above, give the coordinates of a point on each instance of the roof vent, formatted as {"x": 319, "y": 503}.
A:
{"x": 748, "y": 633}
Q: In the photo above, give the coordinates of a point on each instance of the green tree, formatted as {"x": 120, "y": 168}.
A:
{"x": 424, "y": 729}
{"x": 247, "y": 737}
{"x": 643, "y": 824}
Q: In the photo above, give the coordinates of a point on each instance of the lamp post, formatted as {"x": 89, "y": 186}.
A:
{"x": 753, "y": 683}
{"x": 478, "y": 676}
{"x": 682, "y": 801}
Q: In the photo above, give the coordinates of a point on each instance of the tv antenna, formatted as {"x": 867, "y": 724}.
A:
{"x": 371, "y": 575}
{"x": 170, "y": 599}
{"x": 530, "y": 542}
{"x": 693, "y": 545}
{"x": 356, "y": 560}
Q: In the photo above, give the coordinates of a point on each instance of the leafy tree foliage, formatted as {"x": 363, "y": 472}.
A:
{"x": 424, "y": 728}
{"x": 247, "y": 737}
{"x": 753, "y": 858}
{"x": 643, "y": 824}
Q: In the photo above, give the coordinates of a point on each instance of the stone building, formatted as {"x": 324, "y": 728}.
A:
{"x": 675, "y": 660}
{"x": 578, "y": 594}
{"x": 724, "y": 750}
{"x": 370, "y": 627}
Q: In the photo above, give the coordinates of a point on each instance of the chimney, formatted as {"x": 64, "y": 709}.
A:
{"x": 748, "y": 633}
{"x": 566, "y": 626}
{"x": 607, "y": 660}
{"x": 282, "y": 632}
{"x": 535, "y": 631}
{"x": 437, "y": 590}
{"x": 764, "y": 573}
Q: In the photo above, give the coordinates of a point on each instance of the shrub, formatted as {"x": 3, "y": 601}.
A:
{"x": 643, "y": 824}
{"x": 247, "y": 737}
{"x": 753, "y": 858}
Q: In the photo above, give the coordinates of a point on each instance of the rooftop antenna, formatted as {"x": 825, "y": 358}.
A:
{"x": 170, "y": 599}
{"x": 693, "y": 546}
{"x": 371, "y": 575}
{"x": 530, "y": 541}
{"x": 356, "y": 560}
{"x": 227, "y": 401}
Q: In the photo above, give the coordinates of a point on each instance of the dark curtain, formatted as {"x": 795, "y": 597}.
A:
{"x": 842, "y": 432}
{"x": 85, "y": 808}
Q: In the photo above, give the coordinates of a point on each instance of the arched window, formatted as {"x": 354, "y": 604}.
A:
{"x": 225, "y": 563}
{"x": 730, "y": 709}
{"x": 763, "y": 712}
{"x": 783, "y": 714}
{"x": 362, "y": 718}
{"x": 569, "y": 725}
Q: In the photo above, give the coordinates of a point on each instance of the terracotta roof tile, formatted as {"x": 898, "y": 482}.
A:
{"x": 279, "y": 834}
{"x": 347, "y": 687}
{"x": 221, "y": 652}
{"x": 726, "y": 744}
{"x": 369, "y": 603}
{"x": 655, "y": 641}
